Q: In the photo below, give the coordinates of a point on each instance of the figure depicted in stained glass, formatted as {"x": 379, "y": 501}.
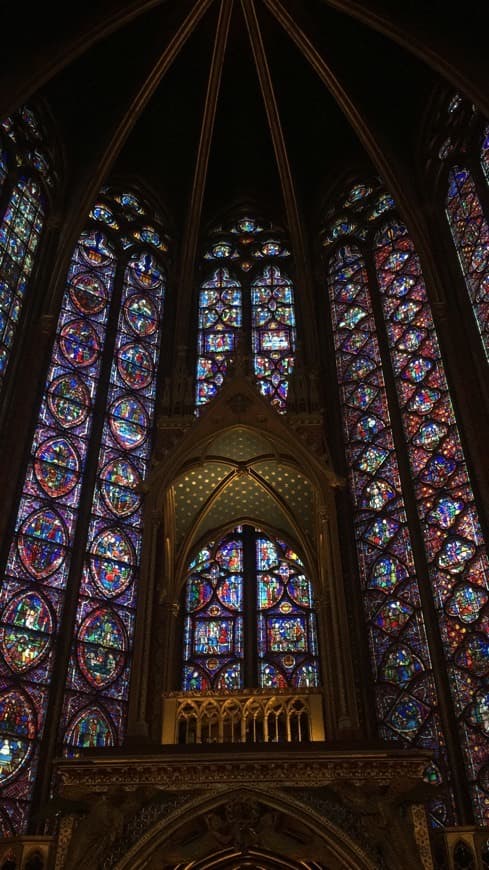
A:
{"x": 281, "y": 604}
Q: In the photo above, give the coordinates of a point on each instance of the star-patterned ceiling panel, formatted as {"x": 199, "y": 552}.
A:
{"x": 293, "y": 487}
{"x": 192, "y": 489}
{"x": 244, "y": 497}
{"x": 239, "y": 445}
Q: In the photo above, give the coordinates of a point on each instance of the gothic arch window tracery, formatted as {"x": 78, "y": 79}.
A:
{"x": 249, "y": 616}
{"x": 383, "y": 330}
{"x": 89, "y": 454}
{"x": 248, "y": 301}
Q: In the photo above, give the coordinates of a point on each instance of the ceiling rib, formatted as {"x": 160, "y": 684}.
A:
{"x": 98, "y": 171}
{"x": 192, "y": 227}
{"x": 383, "y": 160}
{"x": 279, "y": 147}
{"x": 36, "y": 70}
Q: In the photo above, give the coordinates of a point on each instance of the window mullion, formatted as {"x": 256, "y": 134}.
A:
{"x": 250, "y": 603}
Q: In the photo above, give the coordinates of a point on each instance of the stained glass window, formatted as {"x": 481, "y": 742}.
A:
{"x": 100, "y": 660}
{"x": 105, "y": 355}
{"x": 470, "y": 233}
{"x": 273, "y": 334}
{"x": 25, "y": 171}
{"x": 447, "y": 524}
{"x": 406, "y": 698}
{"x": 262, "y": 295}
{"x": 457, "y": 557}
{"x": 223, "y": 598}
{"x": 220, "y": 319}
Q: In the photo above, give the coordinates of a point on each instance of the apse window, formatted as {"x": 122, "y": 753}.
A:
{"x": 246, "y": 308}
{"x": 249, "y": 617}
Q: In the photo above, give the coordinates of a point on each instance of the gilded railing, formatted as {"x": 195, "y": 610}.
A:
{"x": 257, "y": 716}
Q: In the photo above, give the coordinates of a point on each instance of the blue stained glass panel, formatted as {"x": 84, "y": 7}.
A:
{"x": 98, "y": 675}
{"x": 20, "y": 233}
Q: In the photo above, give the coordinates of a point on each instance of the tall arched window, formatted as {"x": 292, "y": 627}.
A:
{"x": 89, "y": 453}
{"x": 26, "y": 176}
{"x": 247, "y": 301}
{"x": 249, "y": 616}
{"x": 389, "y": 366}
{"x": 466, "y": 155}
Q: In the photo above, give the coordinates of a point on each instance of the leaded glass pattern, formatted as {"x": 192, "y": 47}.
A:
{"x": 404, "y": 687}
{"x": 213, "y": 642}
{"x": 105, "y": 355}
{"x": 220, "y": 319}
{"x": 273, "y": 334}
{"x": 243, "y": 587}
{"x": 458, "y": 562}
{"x": 470, "y": 233}
{"x": 254, "y": 311}
{"x": 32, "y": 594}
{"x": 287, "y": 633}
{"x": 96, "y": 692}
{"x": 24, "y": 170}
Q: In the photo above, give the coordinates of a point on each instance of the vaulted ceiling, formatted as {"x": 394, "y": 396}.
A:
{"x": 281, "y": 94}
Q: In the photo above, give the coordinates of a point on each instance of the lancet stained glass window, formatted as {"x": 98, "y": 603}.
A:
{"x": 25, "y": 173}
{"x": 470, "y": 233}
{"x": 457, "y": 557}
{"x": 99, "y": 666}
{"x": 447, "y": 523}
{"x": 105, "y": 355}
{"x": 248, "y": 610}
{"x": 254, "y": 311}
{"x": 406, "y": 698}
{"x": 464, "y": 158}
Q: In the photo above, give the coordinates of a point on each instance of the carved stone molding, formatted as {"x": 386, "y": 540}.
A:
{"x": 176, "y": 771}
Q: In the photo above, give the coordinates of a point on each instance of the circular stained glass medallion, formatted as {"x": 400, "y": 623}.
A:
{"x": 25, "y": 631}
{"x": 88, "y": 293}
{"x": 56, "y": 466}
{"x": 118, "y": 481}
{"x": 140, "y": 313}
{"x": 229, "y": 591}
{"x": 69, "y": 401}
{"x": 128, "y": 422}
{"x": 42, "y": 542}
{"x": 79, "y": 343}
{"x": 111, "y": 562}
{"x": 135, "y": 366}
{"x": 299, "y": 590}
{"x": 17, "y": 731}
{"x": 100, "y": 648}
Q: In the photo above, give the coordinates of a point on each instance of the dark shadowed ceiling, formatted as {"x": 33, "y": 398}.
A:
{"x": 386, "y": 58}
